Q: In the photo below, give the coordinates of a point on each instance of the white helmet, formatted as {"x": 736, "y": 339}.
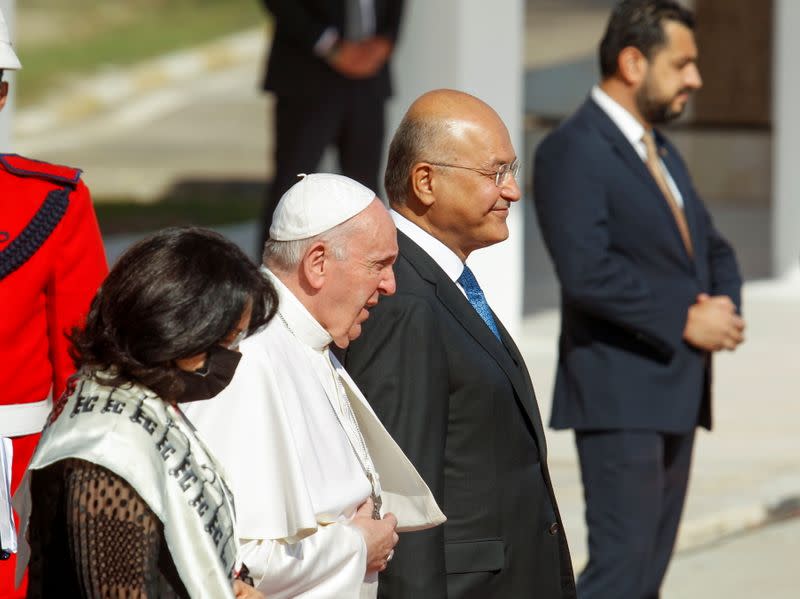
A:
{"x": 8, "y": 60}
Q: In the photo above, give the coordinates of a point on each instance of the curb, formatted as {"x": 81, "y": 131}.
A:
{"x": 702, "y": 533}
{"x": 726, "y": 523}
{"x": 107, "y": 90}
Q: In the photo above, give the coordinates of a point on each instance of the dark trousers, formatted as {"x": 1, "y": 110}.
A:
{"x": 349, "y": 119}
{"x": 634, "y": 485}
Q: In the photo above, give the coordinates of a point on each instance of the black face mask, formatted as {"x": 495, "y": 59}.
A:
{"x": 210, "y": 380}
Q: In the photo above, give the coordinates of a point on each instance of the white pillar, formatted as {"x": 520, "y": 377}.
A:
{"x": 473, "y": 46}
{"x": 786, "y": 139}
{"x": 7, "y": 6}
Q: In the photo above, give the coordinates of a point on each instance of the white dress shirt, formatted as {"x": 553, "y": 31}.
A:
{"x": 633, "y": 132}
{"x": 446, "y": 258}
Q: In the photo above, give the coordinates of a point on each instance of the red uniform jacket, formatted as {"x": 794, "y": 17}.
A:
{"x": 45, "y": 296}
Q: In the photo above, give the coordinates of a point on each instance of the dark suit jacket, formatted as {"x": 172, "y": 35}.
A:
{"x": 294, "y": 69}
{"x": 626, "y": 280}
{"x": 462, "y": 407}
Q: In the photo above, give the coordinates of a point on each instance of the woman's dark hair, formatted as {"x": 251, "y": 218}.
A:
{"x": 639, "y": 23}
{"x": 172, "y": 295}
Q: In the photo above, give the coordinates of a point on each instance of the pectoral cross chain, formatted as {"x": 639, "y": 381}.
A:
{"x": 377, "y": 502}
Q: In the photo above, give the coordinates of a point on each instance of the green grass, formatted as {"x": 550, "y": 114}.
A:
{"x": 208, "y": 206}
{"x": 65, "y": 40}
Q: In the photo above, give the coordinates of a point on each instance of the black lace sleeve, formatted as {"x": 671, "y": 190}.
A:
{"x": 115, "y": 540}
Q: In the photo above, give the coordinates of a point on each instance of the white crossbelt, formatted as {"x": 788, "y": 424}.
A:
{"x": 25, "y": 418}
{"x": 16, "y": 420}
{"x": 8, "y": 533}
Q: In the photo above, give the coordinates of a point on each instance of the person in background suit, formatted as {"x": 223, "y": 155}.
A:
{"x": 328, "y": 68}
{"x": 649, "y": 291}
{"x": 445, "y": 377}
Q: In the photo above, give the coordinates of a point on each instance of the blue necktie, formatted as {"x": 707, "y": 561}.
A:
{"x": 475, "y": 296}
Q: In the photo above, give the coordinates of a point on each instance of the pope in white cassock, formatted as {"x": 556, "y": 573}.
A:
{"x": 320, "y": 487}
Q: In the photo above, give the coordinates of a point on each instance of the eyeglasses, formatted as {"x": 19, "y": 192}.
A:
{"x": 500, "y": 175}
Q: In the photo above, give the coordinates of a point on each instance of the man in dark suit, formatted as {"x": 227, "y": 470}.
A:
{"x": 445, "y": 377}
{"x": 649, "y": 290}
{"x": 328, "y": 69}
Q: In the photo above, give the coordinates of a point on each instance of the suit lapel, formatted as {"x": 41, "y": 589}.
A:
{"x": 625, "y": 150}
{"x": 528, "y": 398}
{"x": 505, "y": 354}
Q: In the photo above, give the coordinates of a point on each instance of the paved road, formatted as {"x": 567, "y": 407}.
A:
{"x": 764, "y": 563}
{"x": 213, "y": 127}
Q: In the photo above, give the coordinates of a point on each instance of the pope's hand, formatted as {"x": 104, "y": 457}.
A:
{"x": 379, "y": 535}
{"x": 244, "y": 591}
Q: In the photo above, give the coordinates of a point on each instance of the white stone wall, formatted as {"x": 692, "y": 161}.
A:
{"x": 786, "y": 139}
{"x": 477, "y": 47}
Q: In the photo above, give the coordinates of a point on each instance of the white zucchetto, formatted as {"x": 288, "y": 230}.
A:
{"x": 8, "y": 59}
{"x": 317, "y": 203}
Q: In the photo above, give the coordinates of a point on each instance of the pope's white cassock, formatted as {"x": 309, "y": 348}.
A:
{"x": 289, "y": 430}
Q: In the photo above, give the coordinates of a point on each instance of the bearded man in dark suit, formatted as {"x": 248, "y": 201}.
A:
{"x": 328, "y": 68}
{"x": 445, "y": 377}
{"x": 649, "y": 290}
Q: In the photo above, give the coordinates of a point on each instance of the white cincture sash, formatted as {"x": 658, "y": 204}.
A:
{"x": 132, "y": 432}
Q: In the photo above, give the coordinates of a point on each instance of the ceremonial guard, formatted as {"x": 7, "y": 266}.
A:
{"x": 51, "y": 263}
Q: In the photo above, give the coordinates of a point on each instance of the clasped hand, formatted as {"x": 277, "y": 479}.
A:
{"x": 712, "y": 324}
{"x": 358, "y": 60}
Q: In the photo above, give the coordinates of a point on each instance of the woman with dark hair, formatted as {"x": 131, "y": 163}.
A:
{"x": 122, "y": 498}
